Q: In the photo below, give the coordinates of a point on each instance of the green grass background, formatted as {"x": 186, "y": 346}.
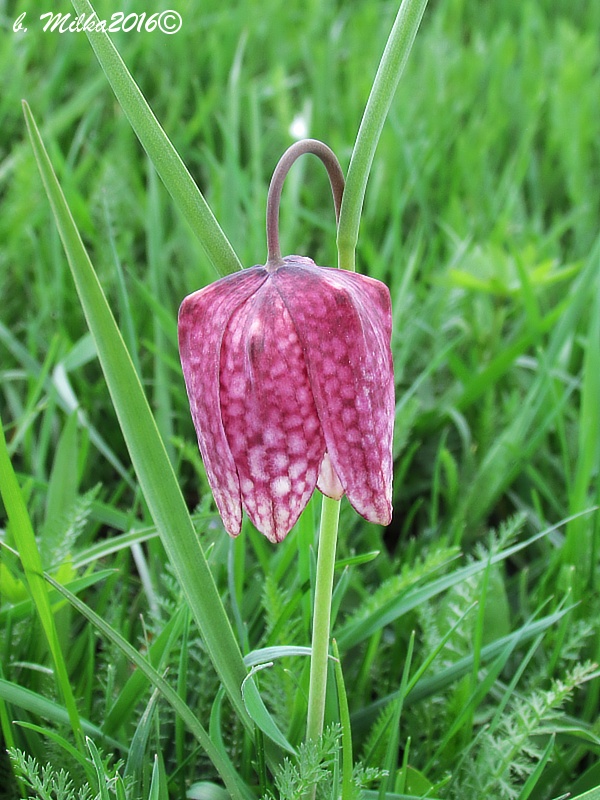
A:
{"x": 482, "y": 215}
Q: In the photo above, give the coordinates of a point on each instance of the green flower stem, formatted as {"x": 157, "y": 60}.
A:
{"x": 322, "y": 617}
{"x": 390, "y": 69}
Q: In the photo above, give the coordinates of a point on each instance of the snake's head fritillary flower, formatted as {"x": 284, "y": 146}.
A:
{"x": 290, "y": 380}
{"x": 289, "y": 374}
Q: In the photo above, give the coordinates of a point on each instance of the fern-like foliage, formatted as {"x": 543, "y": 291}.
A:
{"x": 374, "y": 748}
{"x": 314, "y": 770}
{"x": 46, "y": 782}
{"x": 455, "y": 611}
{"x": 278, "y": 685}
{"x": 62, "y": 534}
{"x": 311, "y": 770}
{"x": 507, "y": 754}
{"x": 410, "y": 574}
{"x": 274, "y": 600}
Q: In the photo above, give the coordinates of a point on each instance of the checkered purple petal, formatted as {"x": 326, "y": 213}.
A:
{"x": 343, "y": 321}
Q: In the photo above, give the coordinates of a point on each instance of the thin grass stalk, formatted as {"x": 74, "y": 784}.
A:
{"x": 150, "y": 460}
{"x": 579, "y": 543}
{"x": 163, "y": 155}
{"x": 390, "y": 69}
{"x": 22, "y": 531}
{"x": 391, "y": 66}
{"x": 219, "y": 760}
{"x": 347, "y": 758}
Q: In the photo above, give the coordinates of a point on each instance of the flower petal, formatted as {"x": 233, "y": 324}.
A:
{"x": 343, "y": 321}
{"x": 328, "y": 482}
{"x": 269, "y": 414}
{"x": 203, "y": 318}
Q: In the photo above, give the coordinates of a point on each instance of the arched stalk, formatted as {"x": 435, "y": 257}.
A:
{"x": 336, "y": 178}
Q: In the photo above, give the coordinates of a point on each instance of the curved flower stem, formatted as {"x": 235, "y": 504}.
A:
{"x": 392, "y": 63}
{"x": 331, "y": 508}
{"x": 336, "y": 178}
{"x": 322, "y": 617}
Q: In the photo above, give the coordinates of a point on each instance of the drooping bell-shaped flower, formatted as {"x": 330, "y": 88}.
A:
{"x": 289, "y": 374}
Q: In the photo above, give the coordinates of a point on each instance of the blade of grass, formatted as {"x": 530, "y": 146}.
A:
{"x": 105, "y": 547}
{"x": 156, "y": 274}
{"x": 505, "y": 698}
{"x": 24, "y": 538}
{"x": 150, "y": 460}
{"x": 136, "y": 685}
{"x": 182, "y": 688}
{"x": 100, "y": 772}
{"x": 222, "y": 764}
{"x": 521, "y": 437}
{"x": 476, "y": 696}
{"x": 535, "y": 776}
{"x": 41, "y": 378}
{"x": 356, "y": 630}
{"x": 158, "y": 785}
{"x": 577, "y": 549}
{"x": 392, "y": 64}
{"x": 7, "y": 732}
{"x": 124, "y": 303}
{"x": 371, "y": 794}
{"x": 593, "y": 794}
{"x": 137, "y": 753}
{"x": 163, "y": 155}
{"x": 437, "y": 683}
{"x": 54, "y": 712}
{"x": 259, "y": 713}
{"x": 505, "y": 359}
{"x": 38, "y": 371}
{"x": 73, "y": 753}
{"x": 20, "y": 610}
{"x": 62, "y": 488}
{"x": 391, "y": 754}
{"x": 347, "y": 759}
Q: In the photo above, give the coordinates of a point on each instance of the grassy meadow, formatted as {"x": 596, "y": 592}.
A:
{"x": 467, "y": 630}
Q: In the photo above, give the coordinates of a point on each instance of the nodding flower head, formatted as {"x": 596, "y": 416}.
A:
{"x": 289, "y": 374}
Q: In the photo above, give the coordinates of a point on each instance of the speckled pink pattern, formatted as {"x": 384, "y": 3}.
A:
{"x": 290, "y": 380}
{"x": 344, "y": 321}
{"x": 203, "y": 319}
{"x": 269, "y": 414}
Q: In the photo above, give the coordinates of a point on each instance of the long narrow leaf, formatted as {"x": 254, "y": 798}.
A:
{"x": 355, "y": 631}
{"x": 219, "y": 760}
{"x": 344, "y": 711}
{"x": 100, "y": 773}
{"x": 70, "y": 404}
{"x": 151, "y": 463}
{"x": 449, "y": 675}
{"x": 163, "y": 155}
{"x": 54, "y": 712}
{"x": 25, "y": 541}
{"x": 593, "y": 794}
{"x": 577, "y": 544}
{"x": 19, "y": 611}
{"x": 137, "y": 684}
{"x": 380, "y": 99}
{"x": 515, "y": 444}
{"x": 51, "y": 734}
